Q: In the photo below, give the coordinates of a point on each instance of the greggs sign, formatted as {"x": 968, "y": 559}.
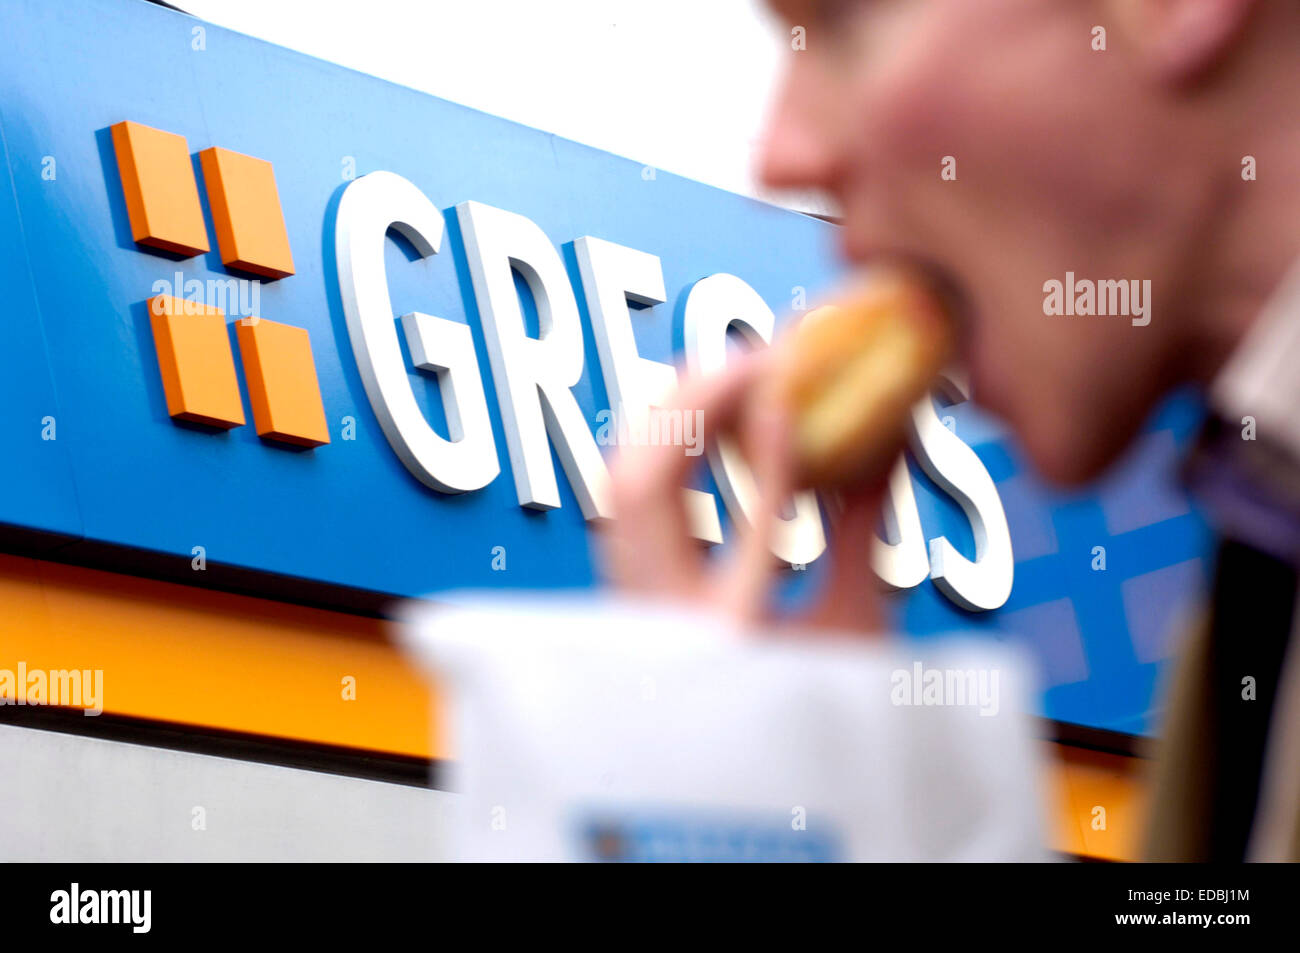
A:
{"x": 534, "y": 373}
{"x": 271, "y": 316}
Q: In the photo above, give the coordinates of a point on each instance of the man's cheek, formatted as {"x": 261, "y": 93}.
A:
{"x": 914, "y": 122}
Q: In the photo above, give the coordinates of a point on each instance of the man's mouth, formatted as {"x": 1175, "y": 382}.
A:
{"x": 942, "y": 280}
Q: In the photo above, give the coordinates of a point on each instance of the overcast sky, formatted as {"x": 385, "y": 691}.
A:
{"x": 681, "y": 85}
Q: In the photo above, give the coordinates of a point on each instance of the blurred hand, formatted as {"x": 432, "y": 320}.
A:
{"x": 648, "y": 546}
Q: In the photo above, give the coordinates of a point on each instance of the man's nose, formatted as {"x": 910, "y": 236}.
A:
{"x": 798, "y": 149}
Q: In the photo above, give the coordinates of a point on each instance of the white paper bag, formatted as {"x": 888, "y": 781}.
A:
{"x": 589, "y": 729}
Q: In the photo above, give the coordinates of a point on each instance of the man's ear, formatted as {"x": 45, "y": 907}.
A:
{"x": 1181, "y": 40}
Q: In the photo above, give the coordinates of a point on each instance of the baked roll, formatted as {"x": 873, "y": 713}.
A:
{"x": 849, "y": 373}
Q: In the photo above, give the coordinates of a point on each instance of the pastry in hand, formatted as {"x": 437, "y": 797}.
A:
{"x": 849, "y": 373}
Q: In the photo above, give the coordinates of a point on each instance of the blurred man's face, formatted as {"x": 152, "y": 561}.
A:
{"x": 1063, "y": 163}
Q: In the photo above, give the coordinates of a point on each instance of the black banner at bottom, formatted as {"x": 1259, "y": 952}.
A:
{"x": 136, "y": 903}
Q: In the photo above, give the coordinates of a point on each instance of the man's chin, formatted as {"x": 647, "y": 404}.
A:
{"x": 1073, "y": 455}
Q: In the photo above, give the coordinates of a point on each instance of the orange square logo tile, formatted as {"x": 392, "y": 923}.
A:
{"x": 191, "y": 337}
{"x": 246, "y": 212}
{"x": 162, "y": 198}
{"x": 198, "y": 366}
{"x": 282, "y": 385}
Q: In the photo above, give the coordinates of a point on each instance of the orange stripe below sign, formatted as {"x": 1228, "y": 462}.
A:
{"x": 193, "y": 656}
